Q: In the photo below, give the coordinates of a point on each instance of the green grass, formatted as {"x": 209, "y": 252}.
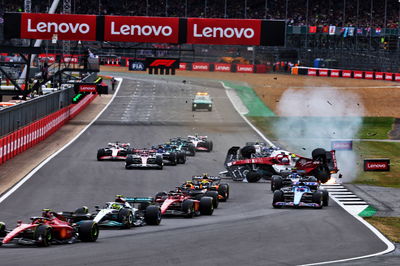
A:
{"x": 390, "y": 226}
{"x": 375, "y": 128}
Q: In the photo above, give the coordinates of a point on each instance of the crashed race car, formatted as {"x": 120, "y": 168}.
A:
{"x": 183, "y": 145}
{"x": 303, "y": 191}
{"x": 212, "y": 183}
{"x": 201, "y": 143}
{"x": 171, "y": 155}
{"x": 50, "y": 228}
{"x": 114, "y": 151}
{"x": 182, "y": 204}
{"x": 124, "y": 213}
{"x": 246, "y": 163}
{"x": 144, "y": 158}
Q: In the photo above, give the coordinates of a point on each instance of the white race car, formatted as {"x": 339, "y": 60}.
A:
{"x": 144, "y": 159}
{"x": 201, "y": 143}
{"x": 114, "y": 151}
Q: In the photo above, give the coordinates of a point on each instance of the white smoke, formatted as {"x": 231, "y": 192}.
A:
{"x": 313, "y": 116}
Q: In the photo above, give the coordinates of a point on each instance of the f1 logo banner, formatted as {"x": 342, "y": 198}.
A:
{"x": 43, "y": 26}
{"x": 141, "y": 29}
{"x": 162, "y": 62}
{"x": 223, "y": 31}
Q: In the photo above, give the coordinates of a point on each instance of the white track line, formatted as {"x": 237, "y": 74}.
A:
{"x": 31, "y": 173}
{"x": 390, "y": 245}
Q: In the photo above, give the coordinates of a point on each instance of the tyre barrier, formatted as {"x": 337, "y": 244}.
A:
{"x": 27, "y": 136}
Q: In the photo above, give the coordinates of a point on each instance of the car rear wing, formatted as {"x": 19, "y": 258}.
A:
{"x": 139, "y": 199}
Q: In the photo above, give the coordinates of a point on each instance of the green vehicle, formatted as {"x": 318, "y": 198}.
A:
{"x": 202, "y": 101}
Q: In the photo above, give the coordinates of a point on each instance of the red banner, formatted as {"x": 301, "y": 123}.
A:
{"x": 358, "y": 74}
{"x": 245, "y": 68}
{"x": 346, "y": 73}
{"x": 223, "y": 31}
{"x": 141, "y": 29}
{"x": 323, "y": 72}
{"x": 87, "y": 88}
{"x": 312, "y": 71}
{"x": 220, "y": 67}
{"x": 66, "y": 27}
{"x": 379, "y": 75}
{"x": 200, "y": 66}
{"x": 389, "y": 76}
{"x": 369, "y": 75}
{"x": 397, "y": 77}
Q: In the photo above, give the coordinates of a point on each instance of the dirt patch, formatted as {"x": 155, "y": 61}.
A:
{"x": 379, "y": 98}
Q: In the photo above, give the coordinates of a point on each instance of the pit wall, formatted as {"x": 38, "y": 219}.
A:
{"x": 344, "y": 73}
{"x": 27, "y": 136}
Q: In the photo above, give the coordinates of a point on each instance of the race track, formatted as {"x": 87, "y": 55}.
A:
{"x": 246, "y": 230}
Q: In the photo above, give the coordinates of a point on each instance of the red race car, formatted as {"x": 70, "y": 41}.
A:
{"x": 181, "y": 203}
{"x": 50, "y": 228}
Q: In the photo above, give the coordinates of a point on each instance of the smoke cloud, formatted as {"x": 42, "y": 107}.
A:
{"x": 313, "y": 116}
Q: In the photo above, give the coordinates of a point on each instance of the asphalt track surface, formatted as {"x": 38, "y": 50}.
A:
{"x": 246, "y": 230}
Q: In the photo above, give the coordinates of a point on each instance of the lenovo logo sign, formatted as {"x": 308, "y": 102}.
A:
{"x": 223, "y": 31}
{"x": 342, "y": 145}
{"x": 200, "y": 66}
{"x": 66, "y": 27}
{"x": 222, "y": 67}
{"x": 87, "y": 88}
{"x": 376, "y": 165}
{"x": 245, "y": 68}
{"x": 141, "y": 29}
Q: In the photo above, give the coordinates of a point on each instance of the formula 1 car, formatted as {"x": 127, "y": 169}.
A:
{"x": 201, "y": 143}
{"x": 246, "y": 163}
{"x": 202, "y": 100}
{"x": 171, "y": 155}
{"x": 181, "y": 203}
{"x": 196, "y": 191}
{"x": 304, "y": 192}
{"x": 50, "y": 228}
{"x": 184, "y": 145}
{"x": 124, "y": 212}
{"x": 212, "y": 183}
{"x": 114, "y": 151}
{"x": 144, "y": 158}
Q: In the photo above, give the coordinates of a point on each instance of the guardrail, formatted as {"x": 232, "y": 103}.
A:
{"x": 345, "y": 73}
{"x": 27, "y": 136}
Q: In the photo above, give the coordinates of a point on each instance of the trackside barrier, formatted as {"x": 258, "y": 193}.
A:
{"x": 26, "y": 137}
{"x": 356, "y": 74}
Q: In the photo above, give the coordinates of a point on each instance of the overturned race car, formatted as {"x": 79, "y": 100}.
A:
{"x": 246, "y": 163}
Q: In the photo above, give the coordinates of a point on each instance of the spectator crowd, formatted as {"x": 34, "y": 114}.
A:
{"x": 342, "y": 13}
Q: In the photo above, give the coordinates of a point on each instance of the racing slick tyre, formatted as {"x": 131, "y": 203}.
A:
{"x": 322, "y": 174}
{"x": 88, "y": 231}
{"x": 278, "y": 197}
{"x": 188, "y": 208}
{"x": 173, "y": 158}
{"x": 325, "y": 198}
{"x": 43, "y": 235}
{"x": 3, "y": 231}
{"x": 210, "y": 109}
{"x": 318, "y": 154}
{"x": 192, "y": 149}
{"x": 206, "y": 206}
{"x": 82, "y": 210}
{"x": 214, "y": 196}
{"x": 125, "y": 217}
{"x": 100, "y": 153}
{"x": 253, "y": 177}
{"x": 276, "y": 182}
{"x": 161, "y": 195}
{"x": 317, "y": 198}
{"x": 152, "y": 215}
{"x": 193, "y": 108}
{"x": 181, "y": 156}
{"x": 210, "y": 146}
{"x": 247, "y": 151}
{"x": 223, "y": 190}
{"x": 159, "y": 162}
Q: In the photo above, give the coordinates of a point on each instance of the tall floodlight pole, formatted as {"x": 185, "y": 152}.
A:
{"x": 66, "y": 49}
{"x": 266, "y": 8}
{"x": 225, "y": 13}
{"x": 166, "y": 8}
{"x": 205, "y": 8}
{"x": 186, "y": 8}
{"x": 147, "y": 7}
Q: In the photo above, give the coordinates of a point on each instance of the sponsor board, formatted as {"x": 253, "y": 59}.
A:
{"x": 66, "y": 27}
{"x": 154, "y": 62}
{"x": 379, "y": 75}
{"x": 245, "y": 68}
{"x": 312, "y": 72}
{"x": 141, "y": 29}
{"x": 369, "y": 75}
{"x": 182, "y": 66}
{"x": 323, "y": 72}
{"x": 335, "y": 73}
{"x": 200, "y": 66}
{"x": 397, "y": 77}
{"x": 222, "y": 67}
{"x": 137, "y": 65}
{"x": 87, "y": 88}
{"x": 223, "y": 31}
{"x": 377, "y": 165}
{"x": 342, "y": 145}
{"x": 389, "y": 76}
{"x": 346, "y": 73}
{"x": 358, "y": 74}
